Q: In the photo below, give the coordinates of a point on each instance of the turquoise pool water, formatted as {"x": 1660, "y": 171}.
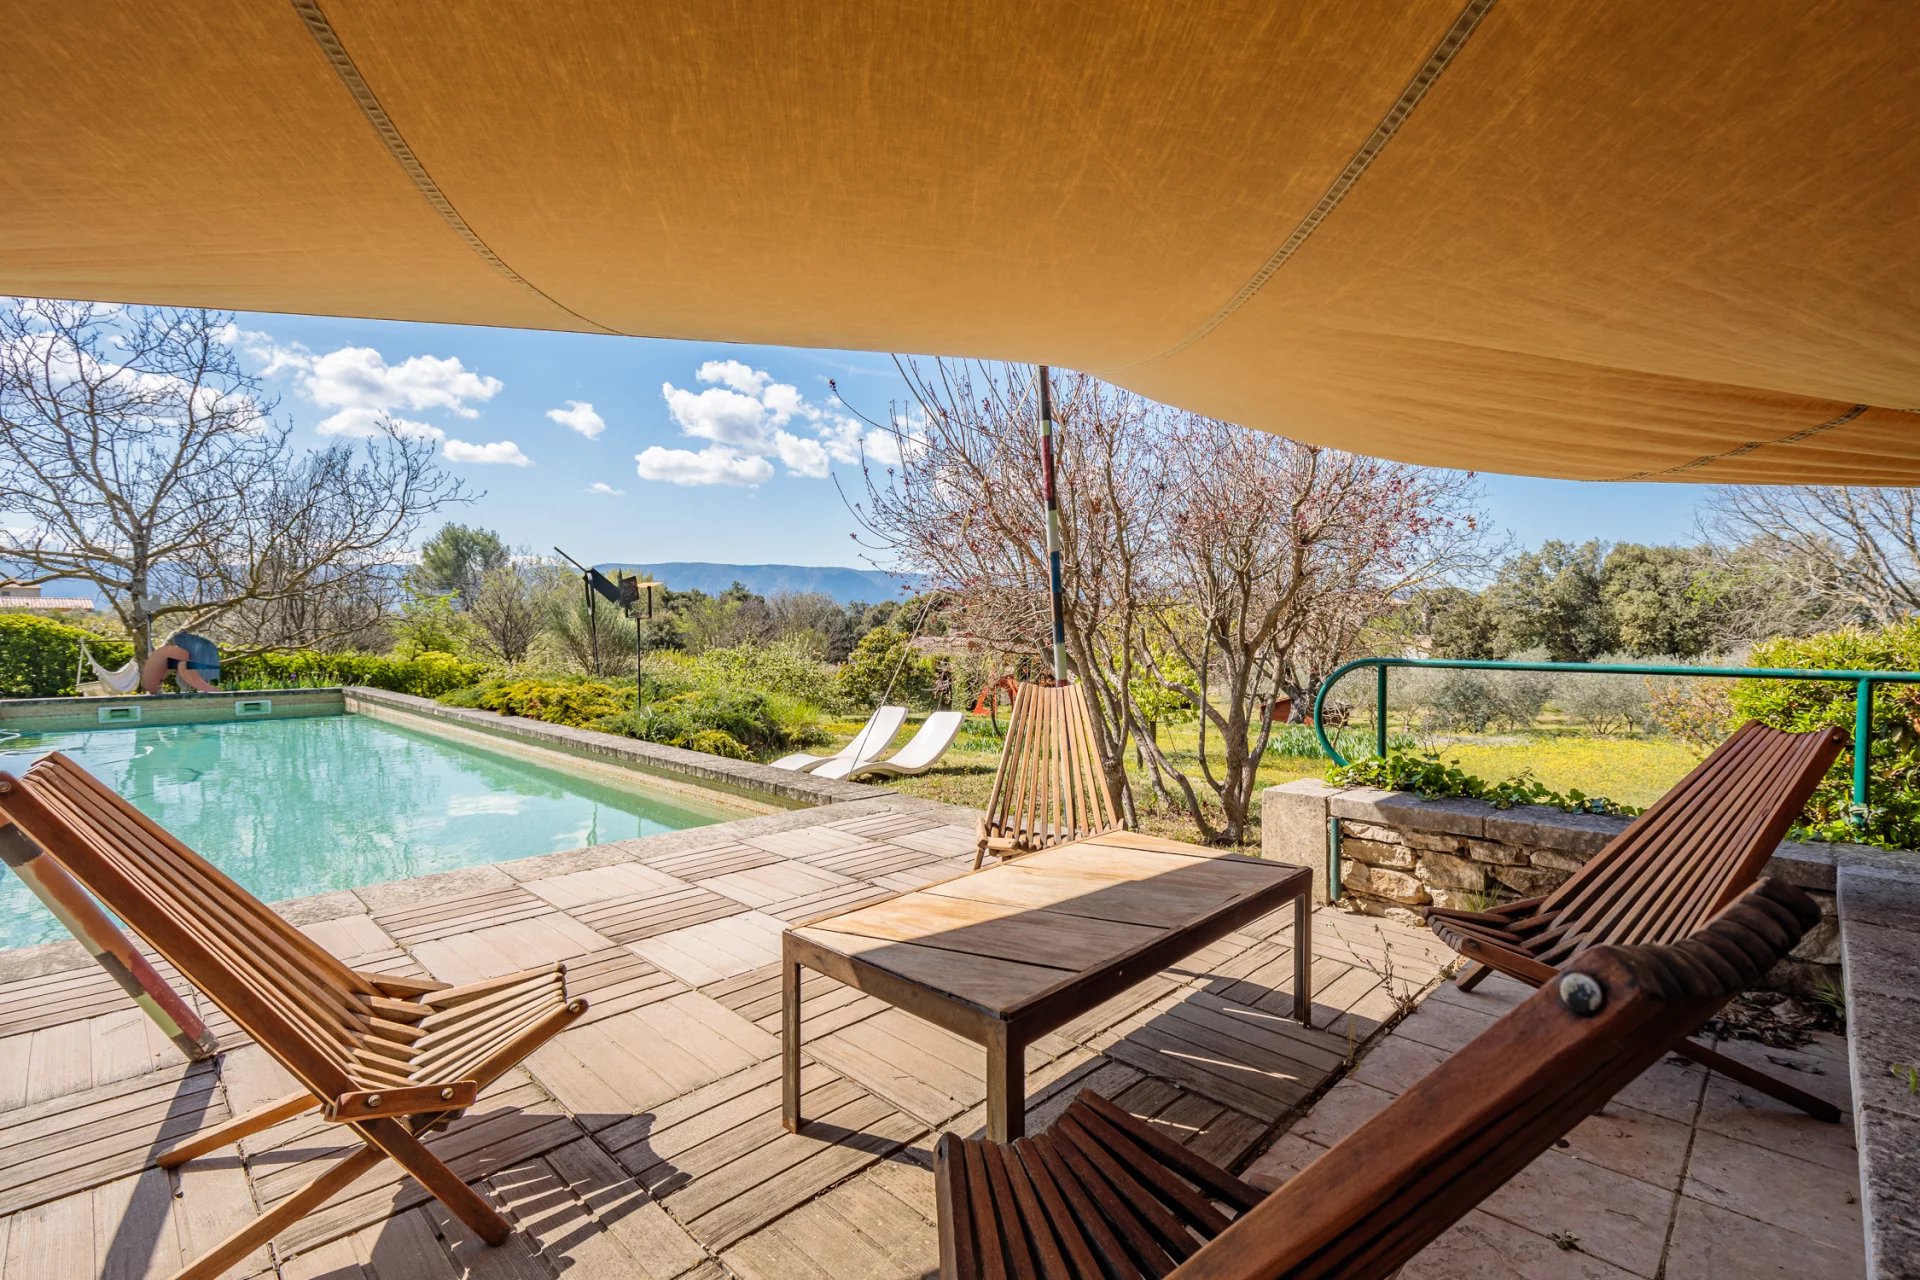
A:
{"x": 292, "y": 807}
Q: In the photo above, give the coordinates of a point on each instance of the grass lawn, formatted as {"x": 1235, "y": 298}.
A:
{"x": 1632, "y": 770}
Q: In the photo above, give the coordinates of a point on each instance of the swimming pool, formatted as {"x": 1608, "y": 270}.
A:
{"x": 301, "y": 806}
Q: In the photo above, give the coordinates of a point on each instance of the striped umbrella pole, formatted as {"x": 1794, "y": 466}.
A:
{"x": 1053, "y": 528}
{"x": 75, "y": 908}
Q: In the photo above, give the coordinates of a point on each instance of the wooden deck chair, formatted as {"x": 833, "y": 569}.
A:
{"x": 1050, "y": 788}
{"x": 390, "y": 1057}
{"x": 1103, "y": 1195}
{"x": 1693, "y": 852}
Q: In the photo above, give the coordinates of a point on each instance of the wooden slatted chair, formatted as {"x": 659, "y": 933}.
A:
{"x": 390, "y": 1057}
{"x": 1694, "y": 851}
{"x": 1050, "y": 788}
{"x": 1104, "y": 1196}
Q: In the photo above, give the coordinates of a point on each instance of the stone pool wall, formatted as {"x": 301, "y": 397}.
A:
{"x": 1399, "y": 853}
{"x": 58, "y": 715}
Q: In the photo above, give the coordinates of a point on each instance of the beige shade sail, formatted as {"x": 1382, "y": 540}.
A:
{"x": 1638, "y": 239}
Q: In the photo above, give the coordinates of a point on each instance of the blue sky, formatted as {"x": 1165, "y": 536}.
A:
{"x": 652, "y": 450}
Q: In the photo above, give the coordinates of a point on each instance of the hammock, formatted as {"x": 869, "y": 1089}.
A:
{"x": 124, "y": 680}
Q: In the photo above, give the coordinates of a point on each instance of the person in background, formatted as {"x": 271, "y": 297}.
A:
{"x": 193, "y": 660}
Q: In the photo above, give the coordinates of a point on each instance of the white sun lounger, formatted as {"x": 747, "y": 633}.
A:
{"x": 872, "y": 739}
{"x": 922, "y": 752}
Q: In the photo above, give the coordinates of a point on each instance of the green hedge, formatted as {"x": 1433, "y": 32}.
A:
{"x": 427, "y": 676}
{"x": 1894, "y": 768}
{"x": 38, "y": 656}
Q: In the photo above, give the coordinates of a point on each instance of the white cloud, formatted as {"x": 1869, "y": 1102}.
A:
{"x": 361, "y": 388}
{"x": 601, "y": 486}
{"x": 504, "y": 452}
{"x": 356, "y": 376}
{"x": 731, "y": 373}
{"x": 751, "y": 422}
{"x": 720, "y": 415}
{"x": 362, "y": 422}
{"x": 579, "y": 416}
{"x": 715, "y": 464}
{"x": 801, "y": 456}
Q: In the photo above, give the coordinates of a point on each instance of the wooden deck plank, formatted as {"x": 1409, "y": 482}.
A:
{"x": 1196, "y": 1062}
{"x": 825, "y": 1005}
{"x": 863, "y": 1229}
{"x": 762, "y": 887}
{"x": 620, "y": 880}
{"x": 791, "y": 1169}
{"x": 403, "y": 1245}
{"x": 461, "y": 913}
{"x": 627, "y": 1065}
{"x": 658, "y": 1246}
{"x": 717, "y": 949}
{"x": 719, "y": 860}
{"x": 53, "y": 1240}
{"x": 829, "y": 901}
{"x": 886, "y": 826}
{"x": 81, "y": 1140}
{"x": 522, "y": 944}
{"x": 800, "y": 842}
{"x": 865, "y": 860}
{"x": 640, "y": 916}
{"x": 614, "y": 981}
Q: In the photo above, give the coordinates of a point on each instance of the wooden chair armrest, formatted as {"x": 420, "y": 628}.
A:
{"x": 419, "y": 1099}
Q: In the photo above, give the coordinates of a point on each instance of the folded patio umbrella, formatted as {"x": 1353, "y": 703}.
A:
{"x": 1637, "y": 240}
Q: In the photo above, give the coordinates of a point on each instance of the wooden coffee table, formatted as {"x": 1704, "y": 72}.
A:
{"x": 1009, "y": 953}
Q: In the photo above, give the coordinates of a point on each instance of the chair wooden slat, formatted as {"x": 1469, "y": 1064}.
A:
{"x": 1380, "y": 1195}
{"x": 391, "y": 1057}
{"x": 1693, "y": 851}
{"x": 1050, "y": 787}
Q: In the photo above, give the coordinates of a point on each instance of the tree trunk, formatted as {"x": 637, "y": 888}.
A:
{"x": 140, "y": 615}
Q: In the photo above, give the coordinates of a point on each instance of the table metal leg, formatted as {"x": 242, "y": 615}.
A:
{"x": 1006, "y": 1086}
{"x": 1303, "y": 960}
{"x": 790, "y": 1044}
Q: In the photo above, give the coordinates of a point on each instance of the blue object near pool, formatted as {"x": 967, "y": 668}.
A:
{"x": 301, "y": 806}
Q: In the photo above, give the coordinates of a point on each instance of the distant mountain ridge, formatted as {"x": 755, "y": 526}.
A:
{"x": 843, "y": 584}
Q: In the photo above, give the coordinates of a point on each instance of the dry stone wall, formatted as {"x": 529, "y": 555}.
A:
{"x": 1399, "y": 853}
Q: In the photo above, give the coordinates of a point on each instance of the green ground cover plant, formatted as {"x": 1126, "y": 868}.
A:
{"x": 1428, "y": 775}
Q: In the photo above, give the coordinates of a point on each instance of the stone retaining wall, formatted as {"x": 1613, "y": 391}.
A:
{"x": 1399, "y": 853}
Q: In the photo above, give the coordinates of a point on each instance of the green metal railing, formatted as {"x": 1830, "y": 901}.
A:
{"x": 1862, "y": 681}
